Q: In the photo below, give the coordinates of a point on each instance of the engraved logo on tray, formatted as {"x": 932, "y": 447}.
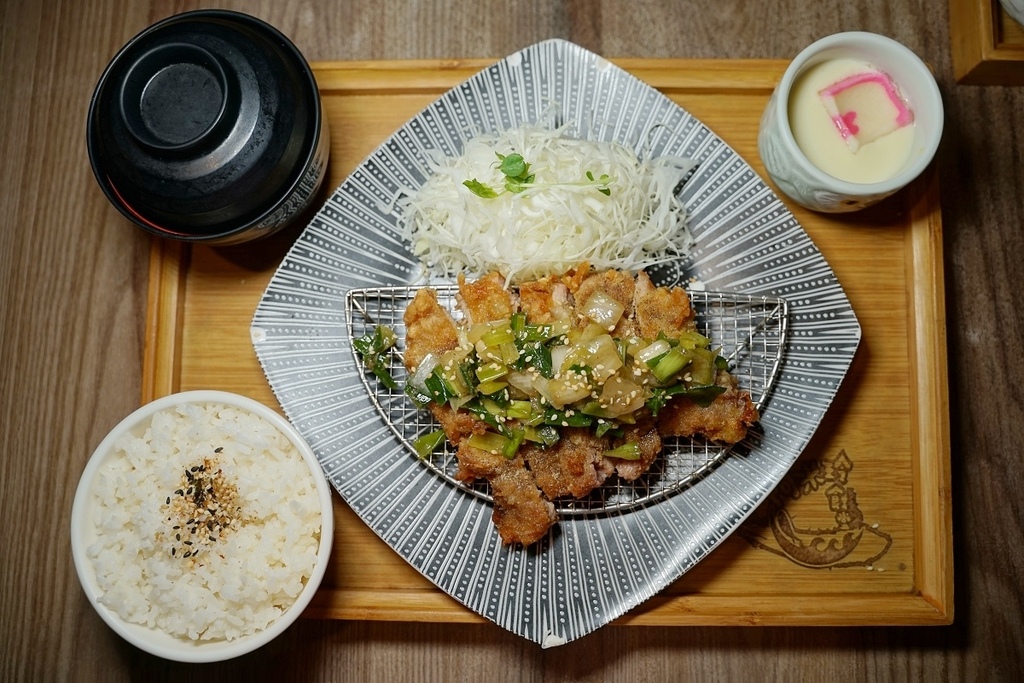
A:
{"x": 813, "y": 519}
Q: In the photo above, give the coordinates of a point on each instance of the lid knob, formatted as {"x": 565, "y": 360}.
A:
{"x": 176, "y": 98}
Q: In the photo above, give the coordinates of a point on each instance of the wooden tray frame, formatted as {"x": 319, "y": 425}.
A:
{"x": 987, "y": 44}
{"x": 409, "y": 597}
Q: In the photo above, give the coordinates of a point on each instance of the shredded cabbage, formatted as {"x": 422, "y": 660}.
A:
{"x": 559, "y": 220}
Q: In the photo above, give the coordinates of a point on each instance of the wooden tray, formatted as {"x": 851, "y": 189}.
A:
{"x": 874, "y": 481}
{"x": 987, "y": 45}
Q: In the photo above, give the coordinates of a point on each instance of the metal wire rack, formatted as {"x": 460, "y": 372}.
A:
{"x": 751, "y": 331}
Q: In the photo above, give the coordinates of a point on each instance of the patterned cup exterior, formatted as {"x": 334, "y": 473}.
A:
{"x": 794, "y": 179}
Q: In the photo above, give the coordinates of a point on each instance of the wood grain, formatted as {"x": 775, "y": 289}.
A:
{"x": 890, "y": 264}
{"x": 987, "y": 44}
{"x": 73, "y": 288}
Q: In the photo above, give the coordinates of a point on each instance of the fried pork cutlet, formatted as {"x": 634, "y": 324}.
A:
{"x": 486, "y": 299}
{"x": 457, "y": 424}
{"x": 545, "y": 300}
{"x": 668, "y": 310}
{"x": 661, "y": 309}
{"x": 428, "y": 329}
{"x": 616, "y": 284}
{"x": 726, "y": 420}
{"x": 574, "y": 466}
{"x": 550, "y": 298}
{"x": 645, "y": 434}
{"x": 524, "y": 485}
{"x": 521, "y": 515}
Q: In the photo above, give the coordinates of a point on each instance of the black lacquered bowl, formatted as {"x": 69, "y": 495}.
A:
{"x": 208, "y": 127}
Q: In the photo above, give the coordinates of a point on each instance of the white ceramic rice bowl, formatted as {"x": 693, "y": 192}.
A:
{"x": 158, "y": 642}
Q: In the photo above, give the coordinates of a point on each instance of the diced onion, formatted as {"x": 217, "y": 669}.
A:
{"x": 654, "y": 350}
{"x": 621, "y": 397}
{"x": 602, "y": 356}
{"x": 522, "y": 381}
{"x": 603, "y": 310}
{"x": 418, "y": 380}
{"x": 561, "y": 392}
{"x": 559, "y": 354}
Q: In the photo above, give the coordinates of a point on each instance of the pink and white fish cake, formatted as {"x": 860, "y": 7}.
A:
{"x": 865, "y": 107}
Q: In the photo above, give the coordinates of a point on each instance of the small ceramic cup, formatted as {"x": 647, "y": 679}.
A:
{"x": 806, "y": 184}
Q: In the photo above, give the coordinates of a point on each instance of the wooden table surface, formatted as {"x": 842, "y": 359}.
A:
{"x": 73, "y": 276}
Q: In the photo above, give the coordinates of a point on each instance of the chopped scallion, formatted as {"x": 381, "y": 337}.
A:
{"x": 426, "y": 443}
{"x": 670, "y": 364}
{"x": 491, "y": 442}
{"x": 627, "y": 451}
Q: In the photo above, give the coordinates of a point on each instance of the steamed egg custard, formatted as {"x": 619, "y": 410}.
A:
{"x": 850, "y": 120}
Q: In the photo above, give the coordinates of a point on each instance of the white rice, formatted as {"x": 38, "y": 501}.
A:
{"x": 247, "y": 576}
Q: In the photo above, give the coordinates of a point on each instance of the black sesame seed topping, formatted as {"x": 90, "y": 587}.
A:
{"x": 210, "y": 504}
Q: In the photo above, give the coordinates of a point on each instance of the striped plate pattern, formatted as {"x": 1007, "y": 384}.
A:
{"x": 590, "y": 569}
